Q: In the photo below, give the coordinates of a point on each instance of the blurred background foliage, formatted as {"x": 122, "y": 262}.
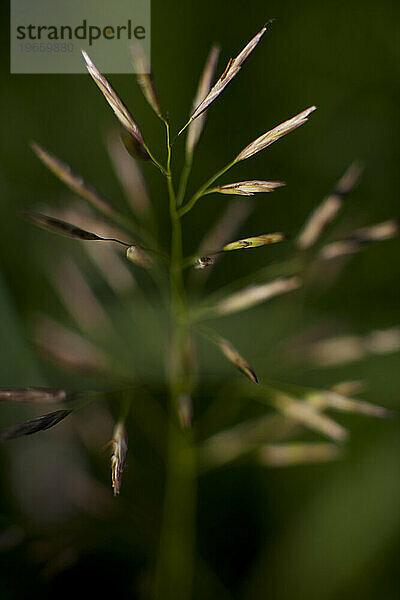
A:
{"x": 328, "y": 531}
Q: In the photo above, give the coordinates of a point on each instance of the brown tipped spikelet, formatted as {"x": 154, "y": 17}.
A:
{"x": 248, "y": 188}
{"x": 119, "y": 446}
{"x": 275, "y": 134}
{"x": 34, "y": 425}
{"x": 33, "y": 395}
{"x": 255, "y": 242}
{"x": 73, "y": 181}
{"x": 121, "y": 112}
{"x": 63, "y": 228}
{"x": 196, "y": 127}
{"x": 232, "y": 68}
{"x": 237, "y": 360}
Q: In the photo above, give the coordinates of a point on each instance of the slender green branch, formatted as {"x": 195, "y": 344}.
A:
{"x": 176, "y": 553}
{"x": 204, "y": 189}
{"x": 184, "y": 179}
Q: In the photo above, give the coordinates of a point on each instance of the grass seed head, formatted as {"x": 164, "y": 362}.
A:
{"x": 237, "y": 360}
{"x": 34, "y": 425}
{"x": 233, "y": 67}
{"x": 248, "y": 188}
{"x": 33, "y": 395}
{"x": 145, "y": 78}
{"x": 256, "y": 294}
{"x": 196, "y": 127}
{"x": 73, "y": 181}
{"x": 121, "y": 112}
{"x": 255, "y": 242}
{"x": 275, "y": 134}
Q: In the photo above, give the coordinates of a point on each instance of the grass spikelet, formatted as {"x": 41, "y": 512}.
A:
{"x": 336, "y": 401}
{"x": 329, "y": 207}
{"x": 33, "y": 395}
{"x": 275, "y": 134}
{"x": 119, "y": 446}
{"x": 232, "y": 68}
{"x": 121, "y": 112}
{"x": 255, "y": 242}
{"x": 248, "y": 188}
{"x": 129, "y": 174}
{"x": 196, "y": 127}
{"x": 256, "y": 294}
{"x": 360, "y": 238}
{"x": 145, "y": 79}
{"x": 203, "y": 262}
{"x": 34, "y": 425}
{"x": 310, "y": 417}
{"x": 287, "y": 455}
{"x": 185, "y": 410}
{"x": 67, "y": 348}
{"x": 73, "y": 181}
{"x": 237, "y": 360}
{"x": 64, "y": 228}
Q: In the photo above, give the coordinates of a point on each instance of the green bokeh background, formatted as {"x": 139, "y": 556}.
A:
{"x": 314, "y": 532}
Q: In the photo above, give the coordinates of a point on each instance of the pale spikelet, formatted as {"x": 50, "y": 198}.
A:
{"x": 138, "y": 257}
{"x": 335, "y": 401}
{"x": 75, "y": 182}
{"x": 185, "y": 410}
{"x": 256, "y": 294}
{"x": 286, "y": 455}
{"x": 339, "y": 249}
{"x": 33, "y": 395}
{"x": 233, "y": 67}
{"x": 237, "y": 360}
{"x": 308, "y": 416}
{"x": 349, "y": 388}
{"x": 119, "y": 445}
{"x": 78, "y": 297}
{"x": 383, "y": 341}
{"x": 248, "y": 188}
{"x": 145, "y": 78}
{"x": 359, "y": 238}
{"x": 329, "y": 207}
{"x": 344, "y": 349}
{"x": 64, "y": 228}
{"x": 377, "y": 233}
{"x": 129, "y": 174}
{"x": 196, "y": 128}
{"x": 34, "y": 425}
{"x": 119, "y": 108}
{"x": 275, "y": 134}
{"x": 67, "y": 348}
{"x": 255, "y": 242}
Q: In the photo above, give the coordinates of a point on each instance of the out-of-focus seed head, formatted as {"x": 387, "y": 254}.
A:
{"x": 34, "y": 425}
{"x": 72, "y": 180}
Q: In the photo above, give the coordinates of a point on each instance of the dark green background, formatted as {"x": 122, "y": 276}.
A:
{"x": 315, "y": 532}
